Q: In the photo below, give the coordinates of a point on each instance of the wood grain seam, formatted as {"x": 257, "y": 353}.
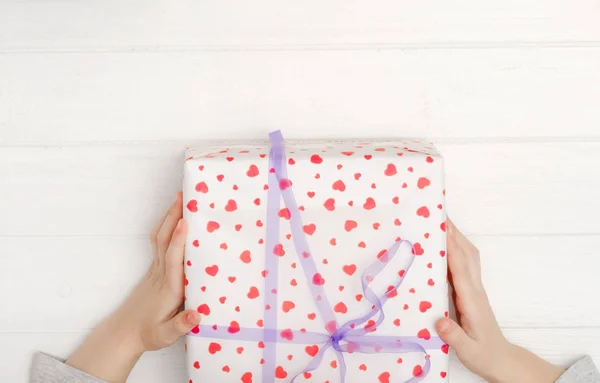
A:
{"x": 224, "y": 48}
{"x": 435, "y": 140}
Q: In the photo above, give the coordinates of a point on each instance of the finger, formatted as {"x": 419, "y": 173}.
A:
{"x": 179, "y": 325}
{"x": 455, "y": 337}
{"x": 454, "y": 312}
{"x": 463, "y": 257}
{"x": 461, "y": 240}
{"x": 450, "y": 278}
{"x": 154, "y": 234}
{"x": 166, "y": 231}
{"x": 158, "y": 226}
{"x": 457, "y": 260}
{"x": 174, "y": 256}
{"x": 457, "y": 269}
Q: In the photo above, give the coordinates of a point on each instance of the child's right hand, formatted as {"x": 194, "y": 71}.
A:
{"x": 478, "y": 340}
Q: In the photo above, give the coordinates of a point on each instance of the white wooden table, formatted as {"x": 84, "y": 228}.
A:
{"x": 97, "y": 100}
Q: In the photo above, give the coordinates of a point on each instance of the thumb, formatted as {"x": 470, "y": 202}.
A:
{"x": 180, "y": 325}
{"x": 455, "y": 337}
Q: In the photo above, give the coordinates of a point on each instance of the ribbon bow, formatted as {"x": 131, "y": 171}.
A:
{"x": 352, "y": 336}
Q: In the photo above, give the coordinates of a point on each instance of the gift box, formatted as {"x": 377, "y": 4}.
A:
{"x": 316, "y": 261}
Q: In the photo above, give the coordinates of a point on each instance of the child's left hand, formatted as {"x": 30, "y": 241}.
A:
{"x": 152, "y": 309}
{"x": 149, "y": 319}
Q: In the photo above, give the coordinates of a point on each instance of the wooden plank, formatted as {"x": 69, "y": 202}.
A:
{"x": 117, "y": 190}
{"x": 540, "y": 281}
{"x": 73, "y": 282}
{"x": 560, "y": 346}
{"x": 186, "y": 23}
{"x": 448, "y": 93}
{"x": 523, "y": 188}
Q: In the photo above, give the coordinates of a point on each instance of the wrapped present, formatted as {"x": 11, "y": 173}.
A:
{"x": 316, "y": 261}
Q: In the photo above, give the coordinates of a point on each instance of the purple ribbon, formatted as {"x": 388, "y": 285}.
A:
{"x": 350, "y": 336}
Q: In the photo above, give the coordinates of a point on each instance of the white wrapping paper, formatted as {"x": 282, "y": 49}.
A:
{"x": 356, "y": 199}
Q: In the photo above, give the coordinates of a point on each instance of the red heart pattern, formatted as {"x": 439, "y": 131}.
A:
{"x": 417, "y": 370}
{"x": 287, "y": 334}
{"x": 349, "y": 269}
{"x": 312, "y": 350}
{"x": 384, "y": 377}
{"x": 245, "y": 256}
{"x": 253, "y": 293}
{"x": 417, "y": 249}
{"x": 424, "y": 334}
{"x": 192, "y": 206}
{"x": 279, "y": 250}
{"x": 201, "y": 187}
{"x": 350, "y": 224}
{"x": 445, "y": 349}
{"x": 390, "y": 170}
{"x": 318, "y": 280}
{"x": 309, "y": 229}
{"x": 214, "y": 347}
{"x": 339, "y": 185}
{"x": 424, "y": 306}
{"x": 286, "y": 306}
{"x": 369, "y": 204}
{"x": 212, "y": 226}
{"x": 316, "y": 159}
{"x": 212, "y": 270}
{"x": 329, "y": 204}
{"x": 423, "y": 211}
{"x": 423, "y": 182}
{"x": 234, "y": 327}
{"x": 280, "y": 373}
{"x": 340, "y": 307}
{"x": 252, "y": 171}
{"x": 203, "y": 309}
{"x": 362, "y": 196}
{"x": 231, "y": 206}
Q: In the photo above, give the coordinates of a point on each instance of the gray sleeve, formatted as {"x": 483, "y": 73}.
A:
{"x": 583, "y": 371}
{"x": 47, "y": 369}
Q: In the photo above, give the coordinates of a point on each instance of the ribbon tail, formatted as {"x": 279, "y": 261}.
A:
{"x": 315, "y": 362}
{"x": 300, "y": 240}
{"x": 424, "y": 371}
{"x": 342, "y": 362}
{"x": 271, "y": 265}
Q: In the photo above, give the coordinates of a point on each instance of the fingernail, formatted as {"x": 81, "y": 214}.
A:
{"x": 444, "y": 325}
{"x": 193, "y": 318}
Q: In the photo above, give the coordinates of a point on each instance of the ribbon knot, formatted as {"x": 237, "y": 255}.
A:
{"x": 335, "y": 340}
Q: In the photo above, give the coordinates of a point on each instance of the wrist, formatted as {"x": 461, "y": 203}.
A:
{"x": 506, "y": 365}
{"x": 518, "y": 365}
{"x": 501, "y": 363}
{"x": 110, "y": 352}
{"x": 125, "y": 333}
